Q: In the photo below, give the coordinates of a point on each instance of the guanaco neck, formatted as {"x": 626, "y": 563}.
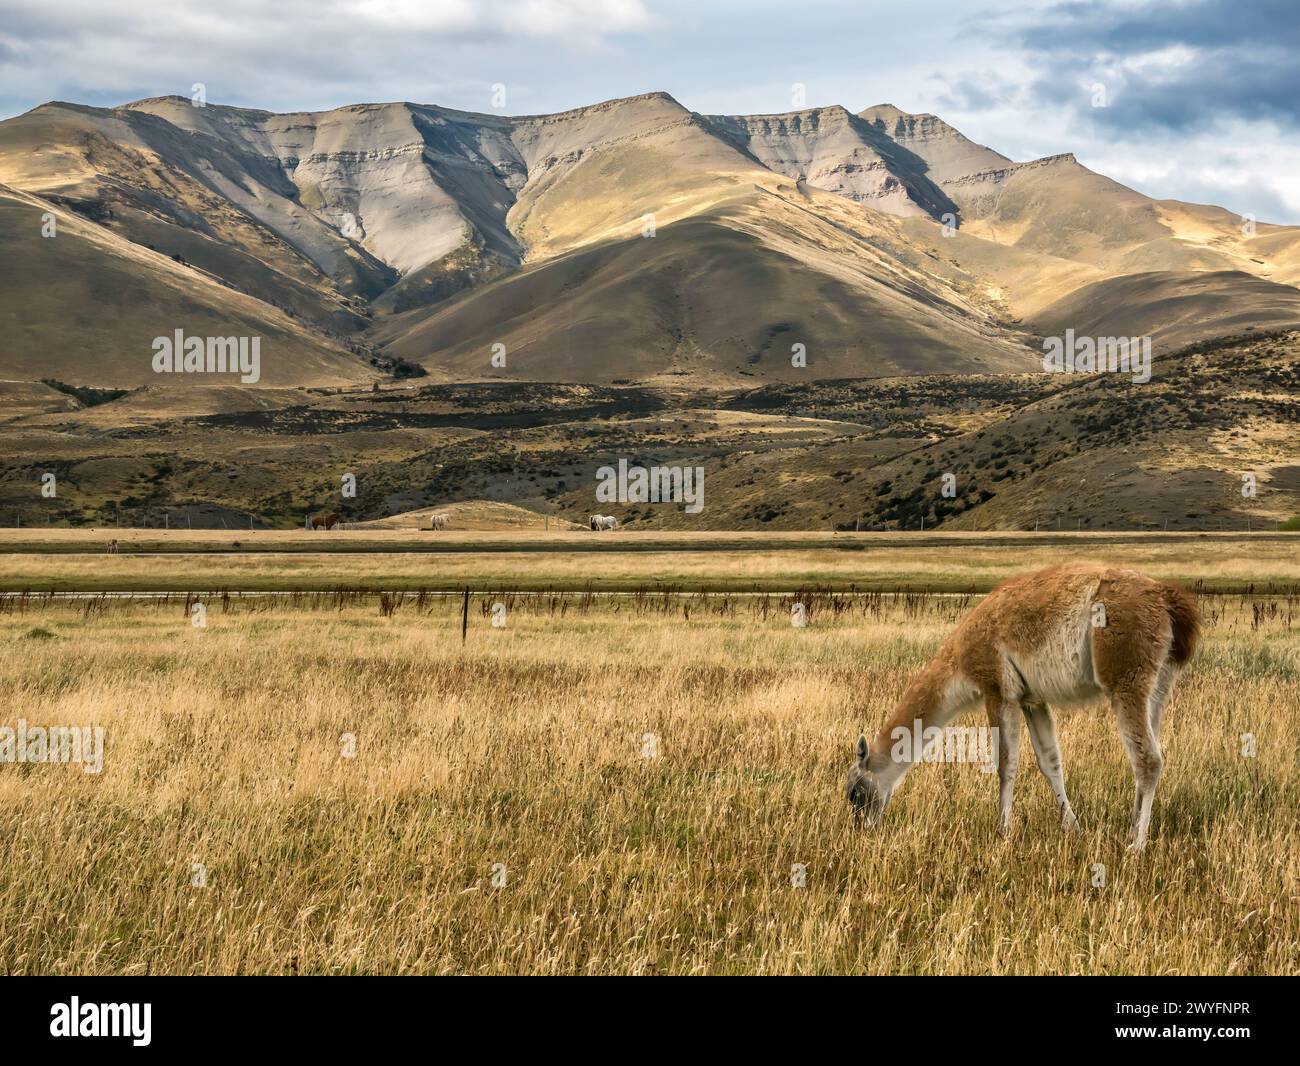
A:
{"x": 931, "y": 700}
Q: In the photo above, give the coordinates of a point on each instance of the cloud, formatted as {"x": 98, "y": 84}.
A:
{"x": 295, "y": 53}
{"x": 1200, "y": 98}
{"x": 1189, "y": 83}
{"x": 1169, "y": 65}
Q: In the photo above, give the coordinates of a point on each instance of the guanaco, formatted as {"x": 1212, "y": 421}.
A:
{"x": 1059, "y": 636}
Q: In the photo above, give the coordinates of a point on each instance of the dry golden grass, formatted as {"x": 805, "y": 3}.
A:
{"x": 523, "y": 746}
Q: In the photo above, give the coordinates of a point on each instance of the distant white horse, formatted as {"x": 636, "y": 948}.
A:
{"x": 605, "y": 521}
{"x": 439, "y": 521}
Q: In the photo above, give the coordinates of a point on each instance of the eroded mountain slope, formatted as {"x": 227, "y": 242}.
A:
{"x": 92, "y": 304}
{"x": 883, "y": 242}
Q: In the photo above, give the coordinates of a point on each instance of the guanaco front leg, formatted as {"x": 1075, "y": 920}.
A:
{"x": 1042, "y": 735}
{"x": 1002, "y": 715}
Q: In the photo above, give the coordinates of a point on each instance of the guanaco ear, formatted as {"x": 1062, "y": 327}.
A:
{"x": 862, "y": 749}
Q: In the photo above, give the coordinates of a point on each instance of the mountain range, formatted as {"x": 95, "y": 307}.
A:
{"x": 631, "y": 241}
{"x": 833, "y": 313}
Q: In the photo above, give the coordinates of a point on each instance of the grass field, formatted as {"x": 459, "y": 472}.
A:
{"x": 646, "y": 771}
{"x": 183, "y": 561}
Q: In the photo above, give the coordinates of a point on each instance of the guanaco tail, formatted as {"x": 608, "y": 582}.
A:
{"x": 1058, "y": 636}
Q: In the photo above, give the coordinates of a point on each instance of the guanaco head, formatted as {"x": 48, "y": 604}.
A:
{"x": 866, "y": 792}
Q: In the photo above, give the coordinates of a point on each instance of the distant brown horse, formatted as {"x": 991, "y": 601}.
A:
{"x": 326, "y": 520}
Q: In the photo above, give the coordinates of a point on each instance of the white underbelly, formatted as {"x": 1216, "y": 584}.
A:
{"x": 1060, "y": 671}
{"x": 1067, "y": 696}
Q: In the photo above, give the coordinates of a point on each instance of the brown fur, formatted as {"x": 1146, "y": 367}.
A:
{"x": 1065, "y": 633}
{"x": 1186, "y": 620}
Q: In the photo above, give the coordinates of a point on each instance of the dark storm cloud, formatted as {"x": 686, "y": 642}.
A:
{"x": 1168, "y": 65}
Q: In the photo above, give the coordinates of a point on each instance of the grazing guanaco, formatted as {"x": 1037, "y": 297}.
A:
{"x": 1062, "y": 635}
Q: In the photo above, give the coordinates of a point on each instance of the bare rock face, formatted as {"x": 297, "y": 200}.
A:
{"x": 831, "y": 149}
{"x": 946, "y": 153}
{"x": 405, "y": 183}
{"x": 409, "y": 184}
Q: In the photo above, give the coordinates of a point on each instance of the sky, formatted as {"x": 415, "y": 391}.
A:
{"x": 1185, "y": 99}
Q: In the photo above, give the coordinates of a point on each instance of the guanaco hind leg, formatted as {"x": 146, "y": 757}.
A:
{"x": 1134, "y": 671}
{"x": 1143, "y": 745}
{"x": 1160, "y": 693}
{"x": 1146, "y": 758}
